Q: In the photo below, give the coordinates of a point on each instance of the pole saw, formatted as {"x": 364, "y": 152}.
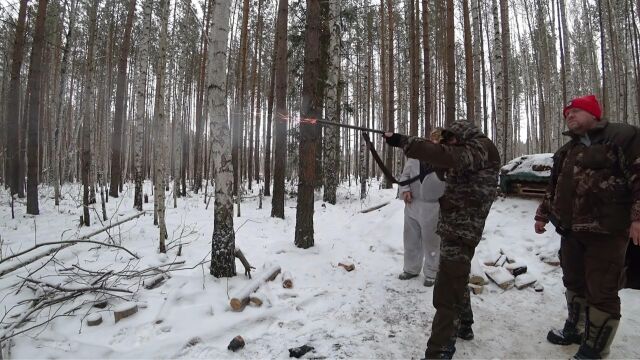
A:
{"x": 373, "y": 151}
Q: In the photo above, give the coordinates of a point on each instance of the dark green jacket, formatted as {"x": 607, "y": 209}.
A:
{"x": 471, "y": 179}
{"x": 595, "y": 187}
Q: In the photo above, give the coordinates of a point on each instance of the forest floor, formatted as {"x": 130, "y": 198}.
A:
{"x": 366, "y": 313}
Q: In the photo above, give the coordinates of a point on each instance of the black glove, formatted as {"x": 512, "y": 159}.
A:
{"x": 394, "y": 140}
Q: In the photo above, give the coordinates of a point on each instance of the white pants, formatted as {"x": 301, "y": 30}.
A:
{"x": 421, "y": 243}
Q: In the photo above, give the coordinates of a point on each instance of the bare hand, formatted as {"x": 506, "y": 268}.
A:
{"x": 539, "y": 227}
{"x": 634, "y": 232}
{"x": 406, "y": 196}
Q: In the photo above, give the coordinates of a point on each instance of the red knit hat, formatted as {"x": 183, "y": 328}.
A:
{"x": 587, "y": 103}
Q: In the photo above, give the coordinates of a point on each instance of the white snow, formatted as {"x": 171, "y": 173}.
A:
{"x": 366, "y": 313}
{"x": 539, "y": 164}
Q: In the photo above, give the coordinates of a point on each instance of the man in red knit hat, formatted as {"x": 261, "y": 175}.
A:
{"x": 593, "y": 200}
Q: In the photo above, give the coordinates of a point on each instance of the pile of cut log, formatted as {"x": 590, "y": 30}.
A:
{"x": 504, "y": 270}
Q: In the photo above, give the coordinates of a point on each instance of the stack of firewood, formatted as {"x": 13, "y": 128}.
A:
{"x": 504, "y": 270}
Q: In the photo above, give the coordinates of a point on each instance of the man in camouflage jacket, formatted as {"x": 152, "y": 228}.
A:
{"x": 471, "y": 161}
{"x": 593, "y": 200}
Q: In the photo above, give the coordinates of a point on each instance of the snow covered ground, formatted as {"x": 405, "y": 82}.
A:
{"x": 366, "y": 313}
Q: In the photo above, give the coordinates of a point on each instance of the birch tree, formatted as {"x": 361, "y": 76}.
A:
{"x": 223, "y": 238}
{"x": 159, "y": 148}
{"x": 332, "y": 133}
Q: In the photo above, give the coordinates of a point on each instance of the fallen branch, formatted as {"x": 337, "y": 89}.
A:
{"x": 247, "y": 267}
{"x": 375, "y": 207}
{"x": 81, "y": 289}
{"x": 64, "y": 244}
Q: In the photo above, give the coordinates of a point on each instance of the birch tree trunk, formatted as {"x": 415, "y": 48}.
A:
{"x": 390, "y": 121}
{"x": 478, "y": 55}
{"x": 506, "y": 59}
{"x": 88, "y": 111}
{"x": 223, "y": 238}
{"x": 160, "y": 124}
{"x": 498, "y": 67}
{"x": 332, "y": 133}
{"x": 427, "y": 67}
{"x": 141, "y": 92}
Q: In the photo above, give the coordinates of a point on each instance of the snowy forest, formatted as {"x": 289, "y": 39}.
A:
{"x": 163, "y": 158}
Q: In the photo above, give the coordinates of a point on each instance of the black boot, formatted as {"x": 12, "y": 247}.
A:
{"x": 444, "y": 353}
{"x": 571, "y": 333}
{"x": 465, "y": 332}
{"x": 599, "y": 333}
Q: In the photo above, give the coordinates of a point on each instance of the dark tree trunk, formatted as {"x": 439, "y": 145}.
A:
{"x": 308, "y": 133}
{"x": 33, "y": 89}
{"x": 280, "y": 151}
{"x": 120, "y": 105}
{"x": 13, "y": 105}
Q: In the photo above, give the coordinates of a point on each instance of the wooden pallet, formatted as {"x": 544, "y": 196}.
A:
{"x": 529, "y": 189}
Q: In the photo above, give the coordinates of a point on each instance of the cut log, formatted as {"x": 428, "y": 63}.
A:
{"x": 524, "y": 281}
{"x": 477, "y": 276}
{"x": 516, "y": 268}
{"x": 287, "y": 280}
{"x": 255, "y": 300}
{"x": 347, "y": 265}
{"x": 124, "y": 311}
{"x": 153, "y": 282}
{"x": 94, "y": 319}
{"x": 236, "y": 343}
{"x": 242, "y": 297}
{"x": 552, "y": 260}
{"x": 476, "y": 289}
{"x": 538, "y": 287}
{"x": 501, "y": 277}
{"x": 492, "y": 259}
{"x": 501, "y": 260}
{"x": 510, "y": 259}
{"x": 375, "y": 207}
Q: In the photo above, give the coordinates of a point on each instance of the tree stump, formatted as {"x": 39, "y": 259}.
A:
{"x": 124, "y": 311}
{"x": 94, "y": 319}
{"x": 287, "y": 280}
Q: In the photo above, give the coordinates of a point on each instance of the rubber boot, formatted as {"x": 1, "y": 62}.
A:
{"x": 599, "y": 332}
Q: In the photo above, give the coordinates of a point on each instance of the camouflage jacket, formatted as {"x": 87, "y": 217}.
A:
{"x": 470, "y": 182}
{"x": 595, "y": 181}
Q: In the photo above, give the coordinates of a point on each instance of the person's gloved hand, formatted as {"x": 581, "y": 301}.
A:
{"x": 393, "y": 139}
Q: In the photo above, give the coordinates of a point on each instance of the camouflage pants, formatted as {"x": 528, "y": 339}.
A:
{"x": 450, "y": 296}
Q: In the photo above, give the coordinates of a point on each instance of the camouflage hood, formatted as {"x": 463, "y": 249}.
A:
{"x": 464, "y": 130}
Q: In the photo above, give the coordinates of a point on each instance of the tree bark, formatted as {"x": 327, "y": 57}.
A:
{"x": 309, "y": 110}
{"x": 33, "y": 91}
{"x": 281, "y": 115}
{"x": 141, "y": 93}
{"x": 159, "y": 138}
{"x": 13, "y": 105}
{"x": 223, "y": 238}
{"x": 332, "y": 133}
{"x": 120, "y": 105}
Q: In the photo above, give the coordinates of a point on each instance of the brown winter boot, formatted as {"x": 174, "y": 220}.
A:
{"x": 571, "y": 333}
{"x": 599, "y": 332}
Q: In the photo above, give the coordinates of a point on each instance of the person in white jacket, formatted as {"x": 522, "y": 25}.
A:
{"x": 421, "y": 211}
